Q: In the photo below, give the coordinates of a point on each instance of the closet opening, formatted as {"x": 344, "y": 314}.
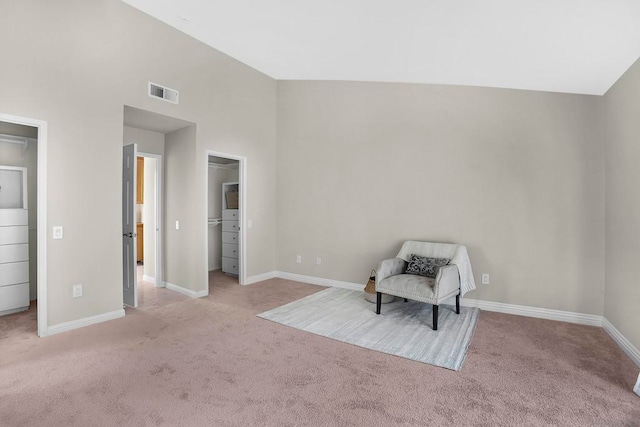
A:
{"x": 23, "y": 222}
{"x": 225, "y": 219}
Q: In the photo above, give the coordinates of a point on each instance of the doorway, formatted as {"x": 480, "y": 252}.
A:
{"x": 145, "y": 234}
{"x": 142, "y": 216}
{"x": 24, "y": 148}
{"x": 149, "y": 218}
{"x": 225, "y": 228}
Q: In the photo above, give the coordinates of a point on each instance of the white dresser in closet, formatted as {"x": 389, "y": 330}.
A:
{"x": 14, "y": 240}
{"x": 230, "y": 229}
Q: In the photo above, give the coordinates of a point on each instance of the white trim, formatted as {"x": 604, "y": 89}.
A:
{"x": 242, "y": 179}
{"x": 42, "y": 214}
{"x": 149, "y": 279}
{"x": 185, "y": 291}
{"x": 260, "y": 277}
{"x": 81, "y": 323}
{"x": 622, "y": 341}
{"x": 320, "y": 281}
{"x": 159, "y": 224}
{"x": 518, "y": 310}
{"x": 540, "y": 313}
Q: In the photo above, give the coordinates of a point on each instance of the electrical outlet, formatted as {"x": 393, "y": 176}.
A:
{"x": 298, "y": 259}
{"x": 318, "y": 261}
{"x": 485, "y": 279}
{"x": 58, "y": 232}
{"x": 77, "y": 291}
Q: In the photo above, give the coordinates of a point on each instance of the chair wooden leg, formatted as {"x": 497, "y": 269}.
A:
{"x": 458, "y": 304}
{"x": 435, "y": 317}
{"x": 378, "y": 302}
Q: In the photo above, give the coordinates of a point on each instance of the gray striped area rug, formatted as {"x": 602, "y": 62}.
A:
{"x": 402, "y": 329}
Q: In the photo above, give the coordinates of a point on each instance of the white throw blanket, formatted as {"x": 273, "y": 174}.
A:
{"x": 456, "y": 253}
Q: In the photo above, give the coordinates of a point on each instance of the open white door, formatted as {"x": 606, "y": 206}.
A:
{"x": 129, "y": 294}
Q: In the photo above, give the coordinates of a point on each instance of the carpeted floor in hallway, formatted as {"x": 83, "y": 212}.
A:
{"x": 212, "y": 362}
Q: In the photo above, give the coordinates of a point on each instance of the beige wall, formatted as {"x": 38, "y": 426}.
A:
{"x": 181, "y": 257}
{"x": 76, "y": 67}
{"x": 622, "y": 297}
{"x": 516, "y": 176}
{"x": 148, "y": 141}
{"x": 16, "y": 155}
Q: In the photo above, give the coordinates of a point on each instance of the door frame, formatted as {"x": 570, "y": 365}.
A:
{"x": 159, "y": 273}
{"x": 242, "y": 184}
{"x": 42, "y": 234}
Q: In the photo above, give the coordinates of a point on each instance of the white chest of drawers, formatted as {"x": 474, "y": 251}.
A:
{"x": 14, "y": 242}
{"x": 230, "y": 241}
{"x": 230, "y": 228}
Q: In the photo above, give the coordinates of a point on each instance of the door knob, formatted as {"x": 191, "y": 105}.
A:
{"x": 128, "y": 235}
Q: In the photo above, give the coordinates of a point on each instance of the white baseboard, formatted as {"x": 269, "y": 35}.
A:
{"x": 520, "y": 310}
{"x": 260, "y": 277}
{"x": 320, "y": 281}
{"x": 305, "y": 279}
{"x": 185, "y": 291}
{"x": 540, "y": 313}
{"x": 80, "y": 323}
{"x": 149, "y": 279}
{"x": 622, "y": 341}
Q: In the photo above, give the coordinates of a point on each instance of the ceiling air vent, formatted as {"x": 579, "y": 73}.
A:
{"x": 162, "y": 92}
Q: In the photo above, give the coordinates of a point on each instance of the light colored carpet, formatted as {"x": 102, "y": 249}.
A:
{"x": 212, "y": 362}
{"x": 402, "y": 328}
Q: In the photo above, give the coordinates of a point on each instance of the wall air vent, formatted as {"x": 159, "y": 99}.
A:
{"x": 164, "y": 93}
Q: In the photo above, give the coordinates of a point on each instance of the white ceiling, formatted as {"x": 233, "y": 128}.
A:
{"x": 575, "y": 46}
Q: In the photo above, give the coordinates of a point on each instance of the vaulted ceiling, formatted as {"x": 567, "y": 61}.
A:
{"x": 574, "y": 46}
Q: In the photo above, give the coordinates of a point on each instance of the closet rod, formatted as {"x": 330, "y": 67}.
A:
{"x": 215, "y": 221}
{"x": 223, "y": 165}
{"x": 20, "y": 140}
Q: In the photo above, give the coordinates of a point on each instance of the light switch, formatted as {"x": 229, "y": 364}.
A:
{"x": 57, "y": 232}
{"x": 177, "y": 225}
{"x": 249, "y": 223}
